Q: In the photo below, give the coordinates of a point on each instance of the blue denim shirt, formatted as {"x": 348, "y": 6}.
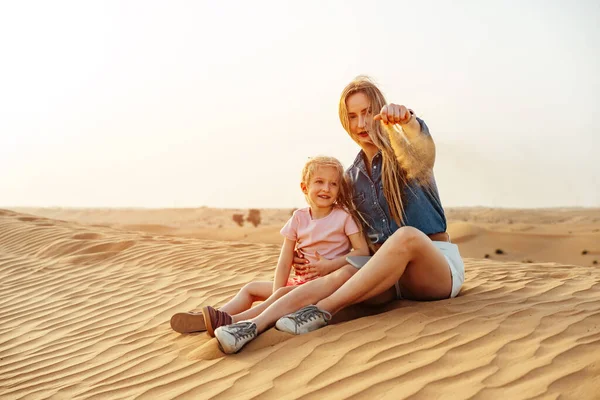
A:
{"x": 422, "y": 208}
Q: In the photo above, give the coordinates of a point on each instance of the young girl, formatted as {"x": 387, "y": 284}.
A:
{"x": 324, "y": 233}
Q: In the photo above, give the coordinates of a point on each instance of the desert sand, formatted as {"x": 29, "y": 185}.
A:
{"x": 86, "y": 296}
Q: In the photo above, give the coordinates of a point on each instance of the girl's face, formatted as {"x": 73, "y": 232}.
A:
{"x": 360, "y": 117}
{"x": 323, "y": 187}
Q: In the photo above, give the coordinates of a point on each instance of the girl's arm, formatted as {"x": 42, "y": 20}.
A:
{"x": 284, "y": 265}
{"x": 324, "y": 266}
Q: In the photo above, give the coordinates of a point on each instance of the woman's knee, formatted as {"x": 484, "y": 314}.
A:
{"x": 406, "y": 239}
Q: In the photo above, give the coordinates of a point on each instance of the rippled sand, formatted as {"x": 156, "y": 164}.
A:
{"x": 85, "y": 305}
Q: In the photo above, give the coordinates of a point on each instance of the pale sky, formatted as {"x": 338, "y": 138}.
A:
{"x": 191, "y": 103}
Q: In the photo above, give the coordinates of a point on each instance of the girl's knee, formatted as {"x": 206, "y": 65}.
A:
{"x": 282, "y": 291}
{"x": 247, "y": 288}
{"x": 252, "y": 288}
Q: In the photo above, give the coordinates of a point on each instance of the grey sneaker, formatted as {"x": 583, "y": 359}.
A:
{"x": 307, "y": 319}
{"x": 233, "y": 337}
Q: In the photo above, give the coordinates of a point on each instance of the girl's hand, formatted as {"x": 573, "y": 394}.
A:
{"x": 394, "y": 114}
{"x": 321, "y": 267}
{"x": 300, "y": 264}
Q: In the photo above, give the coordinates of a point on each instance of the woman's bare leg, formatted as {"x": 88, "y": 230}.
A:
{"x": 251, "y": 292}
{"x": 409, "y": 257}
{"x": 309, "y": 293}
{"x": 255, "y": 311}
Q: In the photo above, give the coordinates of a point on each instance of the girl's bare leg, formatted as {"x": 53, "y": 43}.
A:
{"x": 408, "y": 257}
{"x": 251, "y": 292}
{"x": 309, "y": 293}
{"x": 255, "y": 311}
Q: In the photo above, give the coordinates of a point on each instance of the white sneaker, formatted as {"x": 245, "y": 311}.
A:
{"x": 307, "y": 319}
{"x": 233, "y": 337}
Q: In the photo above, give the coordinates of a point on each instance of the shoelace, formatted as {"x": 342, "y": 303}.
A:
{"x": 309, "y": 313}
{"x": 242, "y": 330}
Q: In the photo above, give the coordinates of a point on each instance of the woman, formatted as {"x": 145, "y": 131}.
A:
{"x": 395, "y": 192}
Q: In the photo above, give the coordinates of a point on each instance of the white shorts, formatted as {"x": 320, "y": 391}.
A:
{"x": 455, "y": 263}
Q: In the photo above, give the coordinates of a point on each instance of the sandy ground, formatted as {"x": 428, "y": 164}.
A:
{"x": 86, "y": 296}
{"x": 569, "y": 236}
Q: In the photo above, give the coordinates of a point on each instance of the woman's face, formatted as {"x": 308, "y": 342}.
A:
{"x": 360, "y": 117}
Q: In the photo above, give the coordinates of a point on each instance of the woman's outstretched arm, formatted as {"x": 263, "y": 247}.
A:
{"x": 412, "y": 144}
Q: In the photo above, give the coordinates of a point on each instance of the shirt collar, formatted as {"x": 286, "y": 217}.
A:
{"x": 359, "y": 161}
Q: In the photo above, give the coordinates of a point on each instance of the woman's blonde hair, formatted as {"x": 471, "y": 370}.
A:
{"x": 396, "y": 170}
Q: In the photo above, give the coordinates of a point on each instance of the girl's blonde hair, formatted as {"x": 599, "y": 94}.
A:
{"x": 344, "y": 197}
{"x": 396, "y": 170}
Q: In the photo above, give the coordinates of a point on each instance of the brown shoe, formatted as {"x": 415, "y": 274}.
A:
{"x": 188, "y": 322}
{"x": 214, "y": 318}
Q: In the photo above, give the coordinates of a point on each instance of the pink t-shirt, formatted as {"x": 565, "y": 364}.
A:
{"x": 328, "y": 235}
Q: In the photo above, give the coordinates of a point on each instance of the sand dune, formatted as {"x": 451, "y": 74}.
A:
{"x": 542, "y": 235}
{"x": 85, "y": 311}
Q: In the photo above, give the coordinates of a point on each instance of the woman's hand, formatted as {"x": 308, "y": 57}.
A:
{"x": 394, "y": 114}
